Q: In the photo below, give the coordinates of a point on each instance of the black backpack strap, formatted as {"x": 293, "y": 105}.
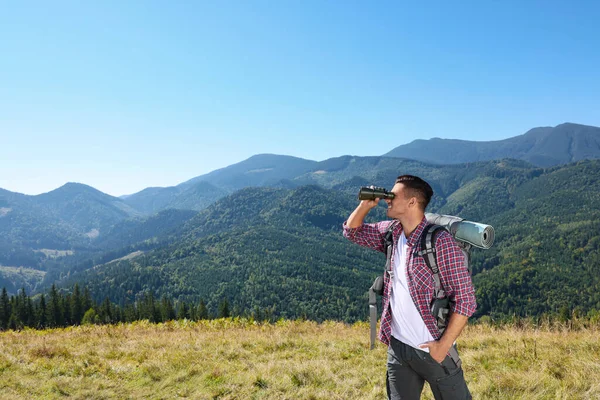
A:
{"x": 388, "y": 246}
{"x": 428, "y": 253}
{"x": 441, "y": 305}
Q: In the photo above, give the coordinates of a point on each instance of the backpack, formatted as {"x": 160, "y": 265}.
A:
{"x": 441, "y": 303}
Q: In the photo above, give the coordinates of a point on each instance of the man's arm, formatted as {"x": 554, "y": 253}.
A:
{"x": 455, "y": 275}
{"x": 357, "y": 217}
{"x": 366, "y": 235}
{"x": 439, "y": 348}
{"x": 457, "y": 283}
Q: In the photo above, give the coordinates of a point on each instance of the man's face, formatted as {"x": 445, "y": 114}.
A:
{"x": 400, "y": 204}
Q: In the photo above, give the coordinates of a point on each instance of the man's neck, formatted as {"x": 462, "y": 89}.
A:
{"x": 410, "y": 222}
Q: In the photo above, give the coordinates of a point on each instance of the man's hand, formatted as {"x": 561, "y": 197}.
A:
{"x": 369, "y": 203}
{"x": 357, "y": 217}
{"x": 437, "y": 350}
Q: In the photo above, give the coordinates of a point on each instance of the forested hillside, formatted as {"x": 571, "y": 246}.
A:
{"x": 548, "y": 254}
{"x": 280, "y": 251}
{"x": 66, "y": 219}
{"x": 271, "y": 251}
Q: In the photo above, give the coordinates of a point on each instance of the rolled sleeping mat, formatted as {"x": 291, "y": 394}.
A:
{"x": 473, "y": 233}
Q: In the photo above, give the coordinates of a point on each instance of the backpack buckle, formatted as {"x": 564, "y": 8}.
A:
{"x": 426, "y": 251}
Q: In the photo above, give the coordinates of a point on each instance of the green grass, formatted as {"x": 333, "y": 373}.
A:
{"x": 238, "y": 359}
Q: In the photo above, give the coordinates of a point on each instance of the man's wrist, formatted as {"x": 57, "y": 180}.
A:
{"x": 365, "y": 206}
{"x": 446, "y": 343}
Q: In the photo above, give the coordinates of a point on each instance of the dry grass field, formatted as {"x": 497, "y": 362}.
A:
{"x": 238, "y": 359}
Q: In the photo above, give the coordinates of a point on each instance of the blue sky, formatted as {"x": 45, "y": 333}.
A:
{"x": 123, "y": 95}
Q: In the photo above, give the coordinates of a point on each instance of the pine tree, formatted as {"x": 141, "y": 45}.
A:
{"x": 131, "y": 313}
{"x": 5, "y": 310}
{"x": 146, "y": 307}
{"x": 256, "y": 314}
{"x": 21, "y": 309}
{"x": 167, "y": 309}
{"x": 13, "y": 323}
{"x": 76, "y": 306}
{"x": 224, "y": 309}
{"x": 149, "y": 309}
{"x": 31, "y": 314}
{"x": 156, "y": 313}
{"x": 104, "y": 313}
{"x": 16, "y": 317}
{"x": 87, "y": 300}
{"x": 182, "y": 312}
{"x": 192, "y": 312}
{"x": 202, "y": 310}
{"x": 55, "y": 314}
{"x": 118, "y": 313}
{"x": 42, "y": 320}
{"x": 65, "y": 305}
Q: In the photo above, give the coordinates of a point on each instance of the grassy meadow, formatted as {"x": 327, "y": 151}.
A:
{"x": 239, "y": 359}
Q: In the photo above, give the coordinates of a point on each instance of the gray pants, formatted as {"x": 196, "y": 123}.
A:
{"x": 409, "y": 368}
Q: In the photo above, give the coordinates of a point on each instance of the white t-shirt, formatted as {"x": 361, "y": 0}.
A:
{"x": 407, "y": 323}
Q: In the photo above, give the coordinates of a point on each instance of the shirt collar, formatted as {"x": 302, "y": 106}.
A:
{"x": 415, "y": 235}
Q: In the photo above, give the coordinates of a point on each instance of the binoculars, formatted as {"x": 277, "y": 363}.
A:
{"x": 372, "y": 193}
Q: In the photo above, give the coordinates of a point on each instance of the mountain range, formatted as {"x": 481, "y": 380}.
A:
{"x": 544, "y": 147}
{"x": 265, "y": 233}
{"x": 280, "y": 251}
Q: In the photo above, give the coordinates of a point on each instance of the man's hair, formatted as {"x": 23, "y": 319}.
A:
{"x": 417, "y": 187}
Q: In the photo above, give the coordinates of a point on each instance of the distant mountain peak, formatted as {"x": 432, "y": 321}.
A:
{"x": 74, "y": 188}
{"x": 258, "y": 170}
{"x": 572, "y": 124}
{"x": 271, "y": 156}
{"x": 542, "y": 146}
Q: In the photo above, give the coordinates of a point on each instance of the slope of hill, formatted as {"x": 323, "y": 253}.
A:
{"x": 282, "y": 251}
{"x": 14, "y": 279}
{"x": 135, "y": 235}
{"x": 548, "y": 253}
{"x": 546, "y": 221}
{"x": 131, "y": 231}
{"x": 40, "y": 239}
{"x": 261, "y": 253}
{"x": 544, "y": 147}
{"x": 77, "y": 216}
{"x": 71, "y": 216}
{"x": 74, "y": 215}
{"x": 201, "y": 191}
{"x": 195, "y": 196}
{"x": 83, "y": 207}
{"x": 258, "y": 170}
{"x": 152, "y": 199}
{"x": 348, "y": 173}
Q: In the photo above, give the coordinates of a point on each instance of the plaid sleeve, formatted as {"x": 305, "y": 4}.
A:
{"x": 455, "y": 276}
{"x": 368, "y": 235}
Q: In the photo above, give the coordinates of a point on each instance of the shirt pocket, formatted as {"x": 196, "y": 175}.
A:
{"x": 423, "y": 277}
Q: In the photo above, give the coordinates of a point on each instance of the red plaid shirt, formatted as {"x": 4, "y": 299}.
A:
{"x": 454, "y": 275}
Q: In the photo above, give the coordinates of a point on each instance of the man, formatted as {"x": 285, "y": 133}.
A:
{"x": 416, "y": 350}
